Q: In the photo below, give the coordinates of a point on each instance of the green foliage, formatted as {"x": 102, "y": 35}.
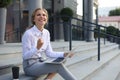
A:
{"x": 111, "y": 30}
{"x": 96, "y": 32}
{"x": 115, "y": 12}
{"x": 5, "y": 3}
{"x": 66, "y": 13}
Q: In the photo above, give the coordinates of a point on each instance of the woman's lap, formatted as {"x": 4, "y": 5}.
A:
{"x": 39, "y": 68}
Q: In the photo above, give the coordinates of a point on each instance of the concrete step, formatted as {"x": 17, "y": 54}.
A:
{"x": 118, "y": 76}
{"x": 78, "y": 58}
{"x": 86, "y": 56}
{"x": 17, "y": 59}
{"x": 83, "y": 54}
{"x": 14, "y": 56}
{"x": 88, "y": 48}
{"x": 84, "y": 70}
{"x": 112, "y": 69}
{"x": 4, "y": 69}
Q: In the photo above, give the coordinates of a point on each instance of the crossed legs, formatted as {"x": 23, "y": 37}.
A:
{"x": 51, "y": 69}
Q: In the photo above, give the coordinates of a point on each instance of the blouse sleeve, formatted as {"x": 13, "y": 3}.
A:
{"x": 28, "y": 50}
{"x": 50, "y": 52}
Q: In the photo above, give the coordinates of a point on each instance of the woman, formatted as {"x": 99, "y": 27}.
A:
{"x": 35, "y": 43}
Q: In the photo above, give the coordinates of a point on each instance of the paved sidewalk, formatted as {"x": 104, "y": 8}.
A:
{"x": 17, "y": 47}
{"x": 10, "y": 48}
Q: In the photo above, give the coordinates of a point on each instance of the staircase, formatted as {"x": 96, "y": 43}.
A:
{"x": 84, "y": 64}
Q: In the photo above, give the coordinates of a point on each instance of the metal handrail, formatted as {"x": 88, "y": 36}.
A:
{"x": 99, "y": 26}
{"x": 73, "y": 25}
{"x": 99, "y": 32}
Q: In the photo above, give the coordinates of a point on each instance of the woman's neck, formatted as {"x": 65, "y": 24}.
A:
{"x": 40, "y": 28}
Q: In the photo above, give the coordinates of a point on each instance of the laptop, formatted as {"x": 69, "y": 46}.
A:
{"x": 58, "y": 60}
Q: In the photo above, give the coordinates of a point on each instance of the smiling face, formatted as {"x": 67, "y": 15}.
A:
{"x": 40, "y": 18}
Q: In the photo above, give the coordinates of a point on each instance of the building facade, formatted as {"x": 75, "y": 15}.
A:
{"x": 110, "y": 21}
{"x": 19, "y": 17}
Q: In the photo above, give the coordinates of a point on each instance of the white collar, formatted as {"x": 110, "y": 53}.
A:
{"x": 37, "y": 32}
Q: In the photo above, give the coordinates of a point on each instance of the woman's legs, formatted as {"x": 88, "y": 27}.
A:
{"x": 50, "y": 75}
{"x": 65, "y": 73}
{"x": 43, "y": 68}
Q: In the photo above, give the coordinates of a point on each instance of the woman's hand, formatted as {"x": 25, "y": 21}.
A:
{"x": 69, "y": 54}
{"x": 40, "y": 43}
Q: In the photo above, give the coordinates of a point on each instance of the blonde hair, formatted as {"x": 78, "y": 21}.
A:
{"x": 34, "y": 12}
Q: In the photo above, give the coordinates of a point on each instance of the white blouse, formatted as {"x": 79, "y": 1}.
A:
{"x": 29, "y": 44}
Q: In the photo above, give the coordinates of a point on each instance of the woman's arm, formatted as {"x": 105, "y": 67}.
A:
{"x": 28, "y": 49}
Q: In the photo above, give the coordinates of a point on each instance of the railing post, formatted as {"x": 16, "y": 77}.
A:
{"x": 70, "y": 37}
{"x": 98, "y": 43}
{"x": 104, "y": 35}
{"x": 118, "y": 42}
{"x": 119, "y": 45}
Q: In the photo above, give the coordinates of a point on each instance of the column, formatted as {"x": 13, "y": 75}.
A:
{"x": 32, "y": 5}
{"x": 3, "y": 13}
{"x": 88, "y": 16}
{"x": 90, "y": 19}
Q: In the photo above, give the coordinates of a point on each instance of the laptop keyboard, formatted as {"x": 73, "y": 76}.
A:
{"x": 58, "y": 60}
